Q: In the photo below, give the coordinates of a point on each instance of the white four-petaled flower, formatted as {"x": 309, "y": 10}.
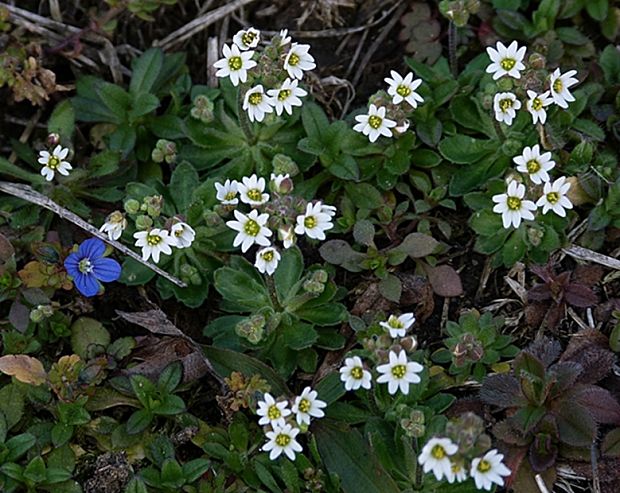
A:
{"x": 354, "y": 375}
{"x": 251, "y": 229}
{"x": 505, "y": 105}
{"x": 154, "y": 242}
{"x": 435, "y": 457}
{"x": 267, "y": 260}
{"x": 512, "y": 207}
{"x": 535, "y": 164}
{"x": 488, "y": 470}
{"x": 182, "y": 235}
{"x": 54, "y": 162}
{"x": 307, "y": 406}
{"x": 374, "y": 123}
{"x": 257, "y": 103}
{"x": 536, "y": 106}
{"x": 227, "y": 193}
{"x": 398, "y": 325}
{"x": 559, "y": 85}
{"x": 403, "y": 89}
{"x": 235, "y": 64}
{"x": 298, "y": 60}
{"x": 246, "y": 39}
{"x": 287, "y": 96}
{"x": 554, "y": 197}
{"x": 398, "y": 373}
{"x": 252, "y": 190}
{"x": 272, "y": 412}
{"x": 282, "y": 439}
{"x": 506, "y": 60}
{"x": 314, "y": 222}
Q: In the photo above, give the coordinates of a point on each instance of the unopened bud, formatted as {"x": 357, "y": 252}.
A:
{"x": 284, "y": 165}
{"x": 409, "y": 343}
{"x": 281, "y": 184}
{"x": 535, "y": 236}
{"x": 313, "y": 287}
{"x": 320, "y": 276}
{"x": 537, "y": 61}
{"x": 505, "y": 84}
{"x": 53, "y": 139}
{"x": 132, "y": 206}
{"x": 202, "y": 109}
{"x": 154, "y": 205}
{"x": 143, "y": 222}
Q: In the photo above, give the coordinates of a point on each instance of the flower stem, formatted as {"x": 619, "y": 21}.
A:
{"x": 498, "y": 130}
{"x": 244, "y": 122}
{"x": 452, "y": 40}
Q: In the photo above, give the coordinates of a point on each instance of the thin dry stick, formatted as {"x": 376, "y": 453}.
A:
{"x": 200, "y": 24}
{"x": 26, "y": 193}
{"x": 582, "y": 253}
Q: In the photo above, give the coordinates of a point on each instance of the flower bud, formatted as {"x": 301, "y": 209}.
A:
{"x": 132, "y": 206}
{"x": 53, "y": 139}
{"x": 281, "y": 184}
{"x": 505, "y": 84}
{"x": 537, "y": 61}
{"x": 535, "y": 236}
{"x": 202, "y": 109}
{"x": 320, "y": 276}
{"x": 154, "y": 205}
{"x": 143, "y": 222}
{"x": 409, "y": 343}
{"x": 165, "y": 150}
{"x": 284, "y": 165}
{"x": 313, "y": 287}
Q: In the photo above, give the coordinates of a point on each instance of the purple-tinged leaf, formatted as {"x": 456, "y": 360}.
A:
{"x": 575, "y": 424}
{"x": 599, "y": 402}
{"x": 580, "y": 295}
{"x": 611, "y": 443}
{"x": 501, "y": 390}
{"x": 545, "y": 349}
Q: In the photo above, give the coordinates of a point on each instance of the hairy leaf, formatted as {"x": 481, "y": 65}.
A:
{"x": 611, "y": 443}
{"x": 599, "y": 402}
{"x": 501, "y": 390}
{"x": 545, "y": 349}
{"x": 575, "y": 424}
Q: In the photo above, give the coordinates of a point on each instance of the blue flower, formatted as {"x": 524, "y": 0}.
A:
{"x": 89, "y": 267}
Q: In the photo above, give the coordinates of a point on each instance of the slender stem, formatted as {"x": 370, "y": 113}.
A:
{"x": 452, "y": 41}
{"x": 498, "y": 130}
{"x": 244, "y": 122}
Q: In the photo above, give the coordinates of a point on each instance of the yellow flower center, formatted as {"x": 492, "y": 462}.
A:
{"x": 484, "y": 466}
{"x": 533, "y": 166}
{"x": 399, "y": 371}
{"x": 255, "y": 195}
{"x": 255, "y": 98}
{"x": 505, "y": 104}
{"x": 403, "y": 90}
{"x": 395, "y": 323}
{"x": 375, "y": 121}
{"x": 557, "y": 85}
{"x": 251, "y": 228}
{"x": 456, "y": 468}
{"x": 293, "y": 59}
{"x": 153, "y": 240}
{"x": 438, "y": 452}
{"x": 537, "y": 104}
{"x": 284, "y": 94}
{"x": 553, "y": 197}
{"x": 310, "y": 222}
{"x": 514, "y": 203}
{"x": 283, "y": 440}
{"x": 273, "y": 412}
{"x": 235, "y": 63}
{"x": 53, "y": 162}
{"x": 248, "y": 38}
{"x": 230, "y": 196}
{"x": 357, "y": 372}
{"x": 508, "y": 63}
{"x": 304, "y": 405}
{"x": 267, "y": 256}
{"x": 179, "y": 232}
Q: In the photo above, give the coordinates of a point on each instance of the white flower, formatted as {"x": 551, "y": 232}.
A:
{"x": 182, "y": 235}
{"x": 284, "y": 37}
{"x": 435, "y": 457}
{"x": 330, "y": 210}
{"x": 535, "y": 164}
{"x": 403, "y": 89}
{"x": 267, "y": 260}
{"x": 505, "y": 105}
{"x": 457, "y": 472}
{"x": 401, "y": 129}
{"x": 398, "y": 325}
{"x": 512, "y": 207}
{"x": 536, "y": 106}
{"x": 307, "y": 406}
{"x": 488, "y": 470}
{"x": 114, "y": 225}
{"x": 353, "y": 374}
{"x": 287, "y": 96}
{"x": 314, "y": 222}
{"x": 298, "y": 60}
{"x": 506, "y": 61}
{"x": 374, "y": 123}
{"x": 399, "y": 372}
{"x": 559, "y": 85}
{"x": 251, "y": 229}
{"x": 246, "y": 39}
{"x": 287, "y": 236}
{"x": 554, "y": 197}
{"x": 282, "y": 439}
{"x": 235, "y": 64}
{"x": 154, "y": 242}
{"x": 257, "y": 103}
{"x": 227, "y": 193}
{"x": 251, "y": 190}
{"x": 272, "y": 412}
{"x": 54, "y": 162}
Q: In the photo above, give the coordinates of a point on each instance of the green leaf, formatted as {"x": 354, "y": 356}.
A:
{"x": 364, "y": 232}
{"x": 89, "y": 337}
{"x": 193, "y": 469}
{"x": 172, "y": 473}
{"x": 597, "y": 9}
{"x": 146, "y": 70}
{"x": 123, "y": 139}
{"x": 462, "y": 149}
{"x": 139, "y": 421}
{"x": 590, "y": 129}
{"x": 417, "y": 245}
{"x": 299, "y": 336}
{"x": 170, "y": 377}
{"x": 183, "y": 181}
{"x": 288, "y": 273}
{"x": 391, "y": 288}
{"x": 62, "y": 120}
{"x": 609, "y": 61}
{"x": 364, "y": 195}
{"x": 14, "y": 171}
{"x": 142, "y": 104}
{"x": 19, "y": 445}
{"x": 425, "y": 158}
{"x": 327, "y": 314}
{"x": 314, "y": 120}
{"x": 514, "y": 249}
{"x": 466, "y": 111}
{"x": 241, "y": 289}
{"x": 611, "y": 443}
{"x": 134, "y": 273}
{"x": 103, "y": 164}
{"x": 35, "y": 470}
{"x": 345, "y": 167}
{"x": 345, "y": 453}
{"x": 61, "y": 434}
{"x": 12, "y": 404}
{"x": 115, "y": 98}
{"x": 575, "y": 424}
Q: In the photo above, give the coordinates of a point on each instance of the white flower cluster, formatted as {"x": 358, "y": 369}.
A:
{"x": 375, "y": 123}
{"x": 513, "y": 206}
{"x": 155, "y": 241}
{"x": 258, "y": 101}
{"x": 254, "y": 228}
{"x": 509, "y": 61}
{"x": 284, "y": 430}
{"x": 436, "y": 457}
{"x": 54, "y": 162}
{"x": 398, "y": 373}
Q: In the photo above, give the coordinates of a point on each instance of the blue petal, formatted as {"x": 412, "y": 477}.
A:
{"x": 86, "y": 284}
{"x": 92, "y": 249}
{"x": 72, "y": 264}
{"x": 106, "y": 269}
